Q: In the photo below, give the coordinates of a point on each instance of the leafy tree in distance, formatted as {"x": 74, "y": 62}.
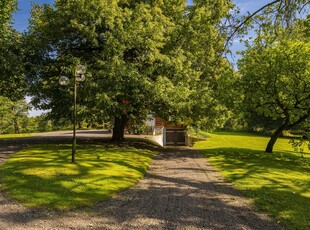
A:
{"x": 13, "y": 115}
{"x": 159, "y": 57}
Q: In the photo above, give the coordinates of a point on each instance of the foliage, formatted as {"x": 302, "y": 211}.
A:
{"x": 136, "y": 126}
{"x": 273, "y": 22}
{"x": 12, "y": 82}
{"x": 278, "y": 183}
{"x": 14, "y": 119}
{"x": 270, "y": 17}
{"x": 41, "y": 176}
{"x": 196, "y": 133}
{"x": 298, "y": 144}
{"x": 7, "y": 7}
{"x": 276, "y": 81}
{"x": 13, "y": 116}
{"x": 157, "y": 57}
{"x": 257, "y": 121}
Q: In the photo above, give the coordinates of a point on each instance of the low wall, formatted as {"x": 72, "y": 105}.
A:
{"x": 156, "y": 138}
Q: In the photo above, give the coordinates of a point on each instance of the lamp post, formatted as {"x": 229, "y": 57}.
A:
{"x": 78, "y": 76}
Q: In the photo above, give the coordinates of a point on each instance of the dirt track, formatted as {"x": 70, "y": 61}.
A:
{"x": 180, "y": 191}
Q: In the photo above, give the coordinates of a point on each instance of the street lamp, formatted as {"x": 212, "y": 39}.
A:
{"x": 78, "y": 76}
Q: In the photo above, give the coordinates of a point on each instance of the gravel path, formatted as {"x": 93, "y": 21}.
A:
{"x": 180, "y": 191}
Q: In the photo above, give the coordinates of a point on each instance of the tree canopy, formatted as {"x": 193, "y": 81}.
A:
{"x": 7, "y": 7}
{"x": 273, "y": 15}
{"x": 11, "y": 55}
{"x": 276, "y": 81}
{"x": 143, "y": 57}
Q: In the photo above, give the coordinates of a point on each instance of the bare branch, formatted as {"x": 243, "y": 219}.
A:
{"x": 301, "y": 9}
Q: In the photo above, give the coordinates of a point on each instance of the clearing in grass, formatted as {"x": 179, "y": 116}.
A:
{"x": 277, "y": 182}
{"x": 11, "y": 136}
{"x": 42, "y": 176}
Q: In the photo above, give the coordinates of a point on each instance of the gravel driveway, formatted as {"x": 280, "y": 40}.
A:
{"x": 180, "y": 191}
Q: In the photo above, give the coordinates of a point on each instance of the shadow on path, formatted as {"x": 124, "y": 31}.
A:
{"x": 182, "y": 191}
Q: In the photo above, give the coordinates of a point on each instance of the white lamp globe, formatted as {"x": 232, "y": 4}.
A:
{"x": 63, "y": 80}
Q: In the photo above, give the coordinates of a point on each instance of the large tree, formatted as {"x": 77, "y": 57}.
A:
{"x": 276, "y": 82}
{"x": 159, "y": 57}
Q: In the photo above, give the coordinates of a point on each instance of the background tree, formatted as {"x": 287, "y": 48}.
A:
{"x": 276, "y": 82}
{"x": 13, "y": 116}
{"x": 158, "y": 57}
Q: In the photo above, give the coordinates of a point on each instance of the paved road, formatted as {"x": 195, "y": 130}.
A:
{"x": 180, "y": 191}
{"x": 79, "y": 134}
{"x": 8, "y": 146}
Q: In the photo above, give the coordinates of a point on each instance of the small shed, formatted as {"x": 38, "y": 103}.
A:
{"x": 172, "y": 135}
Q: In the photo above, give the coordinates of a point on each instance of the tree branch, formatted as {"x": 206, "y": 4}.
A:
{"x": 301, "y": 119}
{"x": 304, "y": 6}
{"x": 246, "y": 20}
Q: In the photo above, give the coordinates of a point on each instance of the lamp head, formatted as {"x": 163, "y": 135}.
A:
{"x": 80, "y": 69}
{"x": 80, "y": 77}
{"x": 63, "y": 80}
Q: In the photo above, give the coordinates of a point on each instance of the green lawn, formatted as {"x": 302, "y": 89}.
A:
{"x": 42, "y": 176}
{"x": 11, "y": 136}
{"x": 278, "y": 183}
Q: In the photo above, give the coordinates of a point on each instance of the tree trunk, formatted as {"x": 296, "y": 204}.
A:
{"x": 273, "y": 139}
{"x": 119, "y": 128}
{"x": 16, "y": 126}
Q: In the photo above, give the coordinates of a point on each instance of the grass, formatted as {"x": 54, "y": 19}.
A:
{"x": 11, "y": 136}
{"x": 42, "y": 176}
{"x": 278, "y": 183}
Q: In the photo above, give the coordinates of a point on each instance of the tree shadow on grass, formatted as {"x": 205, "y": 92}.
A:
{"x": 45, "y": 178}
{"x": 62, "y": 190}
{"x": 160, "y": 201}
{"x": 169, "y": 202}
{"x": 249, "y": 159}
{"x": 157, "y": 208}
{"x": 277, "y": 182}
{"x": 246, "y": 134}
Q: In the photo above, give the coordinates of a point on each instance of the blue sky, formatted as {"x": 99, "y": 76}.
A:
{"x": 22, "y": 15}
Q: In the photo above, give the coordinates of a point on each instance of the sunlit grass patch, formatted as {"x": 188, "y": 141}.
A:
{"x": 11, "y": 136}
{"x": 278, "y": 183}
{"x": 42, "y": 176}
